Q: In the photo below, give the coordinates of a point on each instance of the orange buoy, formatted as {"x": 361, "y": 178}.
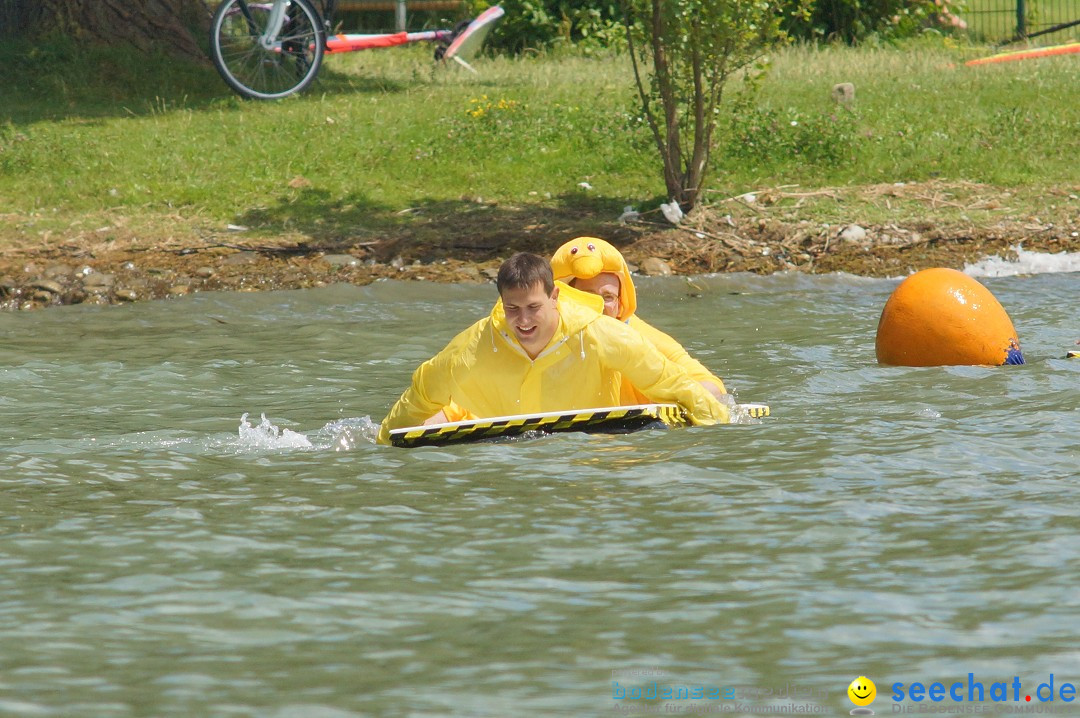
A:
{"x": 939, "y": 317}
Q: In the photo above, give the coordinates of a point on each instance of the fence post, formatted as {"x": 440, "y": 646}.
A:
{"x": 1021, "y": 18}
{"x": 399, "y": 14}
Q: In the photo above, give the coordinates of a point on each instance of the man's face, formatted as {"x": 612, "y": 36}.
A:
{"x": 533, "y": 316}
{"x": 606, "y": 285}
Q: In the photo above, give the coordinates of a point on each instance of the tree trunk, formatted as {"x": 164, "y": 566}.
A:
{"x": 175, "y": 26}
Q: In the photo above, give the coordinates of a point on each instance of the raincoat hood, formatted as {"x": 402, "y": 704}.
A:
{"x": 585, "y": 257}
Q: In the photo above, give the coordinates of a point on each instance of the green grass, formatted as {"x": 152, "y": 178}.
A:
{"x": 921, "y": 114}
{"x": 82, "y": 137}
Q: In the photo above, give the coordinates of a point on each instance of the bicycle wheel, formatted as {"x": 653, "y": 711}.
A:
{"x": 286, "y": 66}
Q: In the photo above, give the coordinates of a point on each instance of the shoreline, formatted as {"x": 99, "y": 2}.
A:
{"x": 78, "y": 271}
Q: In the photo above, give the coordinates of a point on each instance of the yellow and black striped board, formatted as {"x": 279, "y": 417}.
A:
{"x": 613, "y": 420}
{"x": 754, "y": 411}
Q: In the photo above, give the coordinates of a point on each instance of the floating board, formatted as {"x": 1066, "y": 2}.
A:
{"x": 1026, "y": 54}
{"x": 611, "y": 420}
{"x": 754, "y": 411}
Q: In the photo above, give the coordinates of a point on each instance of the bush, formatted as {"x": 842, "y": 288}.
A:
{"x": 852, "y": 21}
{"x": 541, "y": 24}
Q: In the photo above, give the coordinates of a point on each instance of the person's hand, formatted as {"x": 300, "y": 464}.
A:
{"x": 439, "y": 418}
{"x": 722, "y": 397}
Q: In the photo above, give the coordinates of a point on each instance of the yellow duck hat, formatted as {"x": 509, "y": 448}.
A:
{"x": 585, "y": 257}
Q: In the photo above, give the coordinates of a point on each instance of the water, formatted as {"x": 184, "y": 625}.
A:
{"x": 160, "y": 556}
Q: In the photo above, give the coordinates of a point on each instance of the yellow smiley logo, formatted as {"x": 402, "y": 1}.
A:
{"x": 862, "y": 691}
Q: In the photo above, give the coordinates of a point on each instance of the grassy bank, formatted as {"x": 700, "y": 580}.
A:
{"x": 97, "y": 148}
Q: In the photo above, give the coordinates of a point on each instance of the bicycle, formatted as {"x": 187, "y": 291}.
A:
{"x": 269, "y": 50}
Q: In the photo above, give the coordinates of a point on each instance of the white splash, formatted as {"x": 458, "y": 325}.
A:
{"x": 740, "y": 413}
{"x": 347, "y": 434}
{"x": 268, "y": 436}
{"x": 1025, "y": 263}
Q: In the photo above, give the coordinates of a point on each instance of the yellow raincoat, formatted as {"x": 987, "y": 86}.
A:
{"x": 484, "y": 371}
{"x": 584, "y": 258}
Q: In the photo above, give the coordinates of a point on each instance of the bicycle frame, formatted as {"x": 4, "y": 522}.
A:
{"x": 354, "y": 43}
{"x": 270, "y": 49}
{"x": 269, "y": 39}
{"x": 343, "y": 42}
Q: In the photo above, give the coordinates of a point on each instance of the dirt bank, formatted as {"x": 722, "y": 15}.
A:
{"x": 749, "y": 234}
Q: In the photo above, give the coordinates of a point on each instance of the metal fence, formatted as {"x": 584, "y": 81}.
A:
{"x": 1045, "y": 21}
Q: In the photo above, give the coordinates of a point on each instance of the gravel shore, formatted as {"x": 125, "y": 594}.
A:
{"x": 74, "y": 272}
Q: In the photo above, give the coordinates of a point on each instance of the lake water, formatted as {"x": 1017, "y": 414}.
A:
{"x": 161, "y": 557}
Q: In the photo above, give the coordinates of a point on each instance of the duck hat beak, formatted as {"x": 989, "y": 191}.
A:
{"x": 585, "y": 257}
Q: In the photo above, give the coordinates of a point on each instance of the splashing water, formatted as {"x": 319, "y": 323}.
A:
{"x": 1025, "y": 263}
{"x": 740, "y": 414}
{"x": 347, "y": 434}
{"x": 268, "y": 436}
{"x": 339, "y": 435}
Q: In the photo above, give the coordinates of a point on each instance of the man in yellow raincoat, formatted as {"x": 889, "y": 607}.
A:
{"x": 545, "y": 347}
{"x": 592, "y": 265}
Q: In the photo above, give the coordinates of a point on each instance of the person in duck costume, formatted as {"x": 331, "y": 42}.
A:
{"x": 593, "y": 265}
{"x": 545, "y": 347}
